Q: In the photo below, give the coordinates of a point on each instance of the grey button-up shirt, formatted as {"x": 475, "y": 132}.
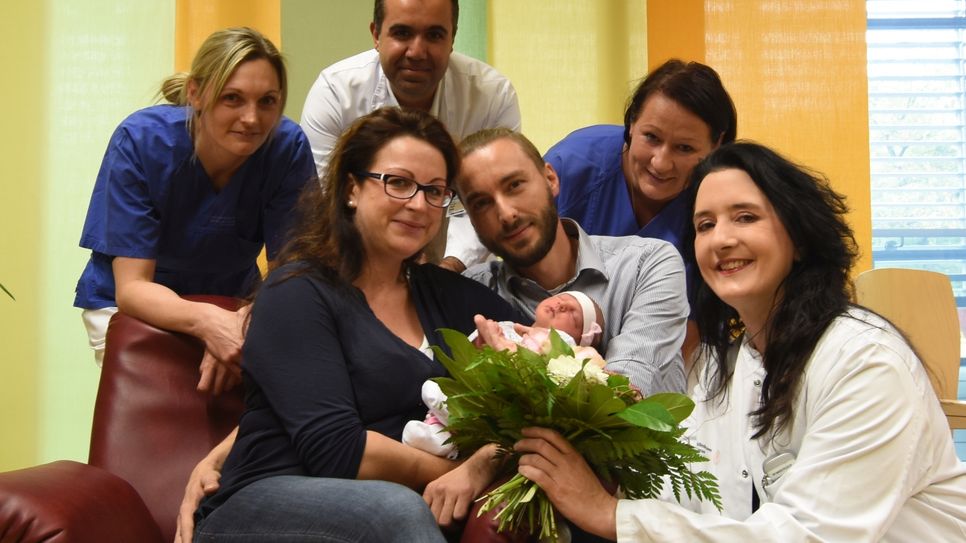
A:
{"x": 639, "y": 284}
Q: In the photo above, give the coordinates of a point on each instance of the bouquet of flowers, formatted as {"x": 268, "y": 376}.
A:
{"x": 628, "y": 441}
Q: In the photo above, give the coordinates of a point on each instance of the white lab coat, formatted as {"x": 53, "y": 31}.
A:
{"x": 871, "y": 455}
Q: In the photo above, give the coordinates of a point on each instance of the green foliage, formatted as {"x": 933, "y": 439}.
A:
{"x": 493, "y": 395}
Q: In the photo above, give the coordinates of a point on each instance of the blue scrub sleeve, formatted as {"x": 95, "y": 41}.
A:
{"x": 300, "y": 169}
{"x": 132, "y": 226}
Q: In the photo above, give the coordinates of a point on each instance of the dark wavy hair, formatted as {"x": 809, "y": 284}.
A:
{"x": 695, "y": 87}
{"x": 324, "y": 234}
{"x": 816, "y": 290}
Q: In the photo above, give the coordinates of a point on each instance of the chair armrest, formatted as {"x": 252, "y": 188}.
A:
{"x": 70, "y": 502}
{"x": 955, "y": 411}
{"x": 954, "y": 408}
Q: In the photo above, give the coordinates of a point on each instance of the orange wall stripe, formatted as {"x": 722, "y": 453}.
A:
{"x": 195, "y": 20}
{"x": 797, "y": 74}
{"x": 675, "y": 29}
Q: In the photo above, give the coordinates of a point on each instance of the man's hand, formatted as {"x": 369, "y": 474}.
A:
{"x": 574, "y": 489}
{"x": 203, "y": 481}
{"x": 451, "y": 496}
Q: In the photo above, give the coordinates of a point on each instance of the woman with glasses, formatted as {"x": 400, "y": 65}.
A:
{"x": 337, "y": 350}
{"x": 187, "y": 196}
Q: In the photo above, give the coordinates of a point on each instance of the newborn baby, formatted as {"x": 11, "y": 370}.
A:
{"x": 575, "y": 316}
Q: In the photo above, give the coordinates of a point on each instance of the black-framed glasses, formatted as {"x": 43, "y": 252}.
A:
{"x": 405, "y": 188}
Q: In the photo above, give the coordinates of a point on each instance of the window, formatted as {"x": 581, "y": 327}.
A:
{"x": 917, "y": 133}
{"x": 917, "y": 137}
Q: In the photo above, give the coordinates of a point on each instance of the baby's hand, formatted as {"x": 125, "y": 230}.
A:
{"x": 490, "y": 334}
{"x": 522, "y": 329}
{"x": 596, "y": 359}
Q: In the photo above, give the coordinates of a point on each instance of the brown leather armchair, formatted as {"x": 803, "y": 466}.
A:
{"x": 150, "y": 429}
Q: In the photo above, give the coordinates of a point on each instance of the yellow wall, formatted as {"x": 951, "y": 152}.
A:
{"x": 318, "y": 33}
{"x": 796, "y": 71}
{"x": 797, "y": 74}
{"x": 104, "y": 59}
{"x": 22, "y": 172}
{"x": 572, "y": 61}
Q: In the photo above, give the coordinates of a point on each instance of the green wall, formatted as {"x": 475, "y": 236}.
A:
{"x": 106, "y": 59}
{"x": 79, "y": 69}
{"x": 473, "y": 29}
{"x": 317, "y": 33}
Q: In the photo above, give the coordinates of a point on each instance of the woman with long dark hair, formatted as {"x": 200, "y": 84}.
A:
{"x": 816, "y": 416}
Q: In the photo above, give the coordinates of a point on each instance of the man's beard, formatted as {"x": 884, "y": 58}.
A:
{"x": 546, "y": 225}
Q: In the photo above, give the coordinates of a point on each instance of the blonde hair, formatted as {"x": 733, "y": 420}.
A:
{"x": 216, "y": 61}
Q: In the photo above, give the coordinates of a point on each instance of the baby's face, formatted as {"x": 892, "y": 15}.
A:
{"x": 561, "y": 312}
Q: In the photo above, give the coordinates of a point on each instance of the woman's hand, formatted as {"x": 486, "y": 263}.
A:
{"x": 223, "y": 332}
{"x": 217, "y": 377}
{"x": 451, "y": 496}
{"x": 202, "y": 482}
{"x": 551, "y": 461}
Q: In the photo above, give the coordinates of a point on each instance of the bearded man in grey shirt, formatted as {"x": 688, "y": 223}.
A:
{"x": 508, "y": 191}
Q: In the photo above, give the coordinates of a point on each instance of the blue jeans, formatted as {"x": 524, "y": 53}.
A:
{"x": 298, "y": 508}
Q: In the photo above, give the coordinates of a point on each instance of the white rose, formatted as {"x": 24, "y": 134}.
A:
{"x": 562, "y": 369}
{"x": 594, "y": 373}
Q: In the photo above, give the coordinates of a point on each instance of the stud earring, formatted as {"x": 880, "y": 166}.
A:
{"x": 351, "y": 204}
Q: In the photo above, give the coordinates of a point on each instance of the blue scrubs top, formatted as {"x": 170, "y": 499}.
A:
{"x": 593, "y": 190}
{"x": 154, "y": 200}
